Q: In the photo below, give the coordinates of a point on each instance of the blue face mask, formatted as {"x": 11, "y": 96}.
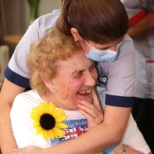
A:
{"x": 101, "y": 55}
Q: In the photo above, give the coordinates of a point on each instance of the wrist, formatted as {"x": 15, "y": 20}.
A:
{"x": 124, "y": 148}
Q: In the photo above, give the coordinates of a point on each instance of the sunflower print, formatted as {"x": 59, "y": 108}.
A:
{"x": 48, "y": 120}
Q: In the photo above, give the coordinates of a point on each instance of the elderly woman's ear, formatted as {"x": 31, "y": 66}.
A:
{"x": 49, "y": 84}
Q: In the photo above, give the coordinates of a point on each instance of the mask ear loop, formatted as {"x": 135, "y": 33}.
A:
{"x": 87, "y": 44}
{"x": 82, "y": 47}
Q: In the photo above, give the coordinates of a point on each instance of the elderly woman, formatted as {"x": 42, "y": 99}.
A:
{"x": 61, "y": 76}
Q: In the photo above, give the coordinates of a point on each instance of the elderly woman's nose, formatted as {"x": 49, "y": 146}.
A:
{"x": 90, "y": 79}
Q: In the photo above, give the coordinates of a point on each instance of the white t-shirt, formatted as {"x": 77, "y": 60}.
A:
{"x": 25, "y": 134}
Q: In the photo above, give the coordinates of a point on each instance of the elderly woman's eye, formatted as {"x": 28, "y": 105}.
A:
{"x": 93, "y": 66}
{"x": 79, "y": 74}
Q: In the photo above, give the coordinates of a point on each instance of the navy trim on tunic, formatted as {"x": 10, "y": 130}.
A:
{"x": 16, "y": 78}
{"x": 119, "y": 101}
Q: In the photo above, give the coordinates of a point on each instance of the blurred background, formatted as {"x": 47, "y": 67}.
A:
{"x": 15, "y": 17}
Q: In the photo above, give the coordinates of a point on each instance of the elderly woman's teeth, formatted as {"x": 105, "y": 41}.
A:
{"x": 85, "y": 91}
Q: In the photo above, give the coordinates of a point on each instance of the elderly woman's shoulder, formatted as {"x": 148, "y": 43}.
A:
{"x": 27, "y": 99}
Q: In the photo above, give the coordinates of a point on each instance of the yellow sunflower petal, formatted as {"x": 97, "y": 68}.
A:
{"x": 58, "y": 114}
{"x": 59, "y": 132}
{"x": 41, "y": 108}
{"x": 61, "y": 125}
{"x": 52, "y": 112}
{"x": 46, "y": 107}
{"x": 39, "y": 130}
{"x": 35, "y": 116}
{"x": 51, "y": 134}
{"x": 60, "y": 119}
{"x": 55, "y": 133}
{"x": 36, "y": 124}
{"x": 51, "y": 106}
{"x": 45, "y": 134}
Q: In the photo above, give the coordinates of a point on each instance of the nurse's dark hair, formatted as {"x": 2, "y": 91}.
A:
{"x": 100, "y": 21}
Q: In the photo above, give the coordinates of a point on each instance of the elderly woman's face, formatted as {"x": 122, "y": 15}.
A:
{"x": 75, "y": 80}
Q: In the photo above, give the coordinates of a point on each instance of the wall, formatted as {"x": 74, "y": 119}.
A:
{"x": 14, "y": 17}
{"x": 47, "y": 6}
{"x": 14, "y": 14}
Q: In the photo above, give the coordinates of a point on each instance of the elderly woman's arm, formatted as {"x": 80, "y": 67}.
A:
{"x": 7, "y": 95}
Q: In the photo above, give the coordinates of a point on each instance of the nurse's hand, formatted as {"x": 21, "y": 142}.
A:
{"x": 30, "y": 150}
{"x": 92, "y": 111}
{"x": 127, "y": 148}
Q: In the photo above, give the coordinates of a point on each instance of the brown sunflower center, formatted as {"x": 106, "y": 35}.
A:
{"x": 47, "y": 121}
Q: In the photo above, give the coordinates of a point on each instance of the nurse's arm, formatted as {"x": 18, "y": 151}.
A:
{"x": 7, "y": 95}
{"x": 101, "y": 137}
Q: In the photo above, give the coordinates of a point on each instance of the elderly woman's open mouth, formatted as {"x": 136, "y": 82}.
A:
{"x": 85, "y": 93}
